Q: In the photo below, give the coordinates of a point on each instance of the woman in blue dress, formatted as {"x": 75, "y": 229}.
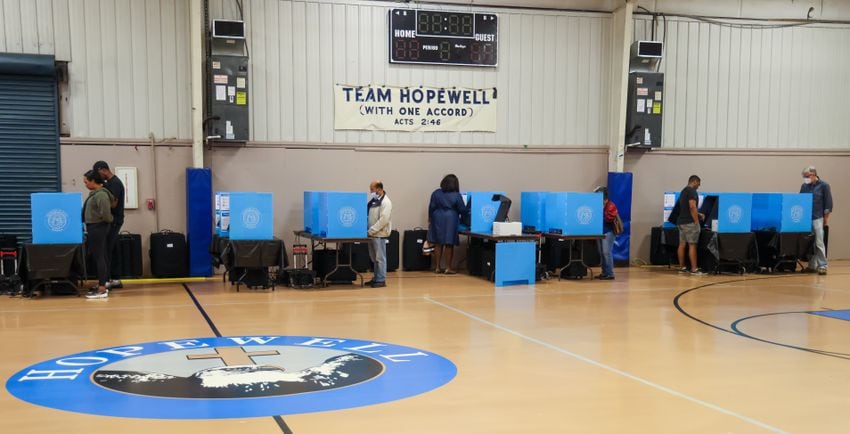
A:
{"x": 444, "y": 214}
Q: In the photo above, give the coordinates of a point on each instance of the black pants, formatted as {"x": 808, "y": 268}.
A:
{"x": 113, "y": 256}
{"x": 97, "y": 235}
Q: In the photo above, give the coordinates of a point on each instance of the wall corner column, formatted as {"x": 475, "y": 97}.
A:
{"x": 622, "y": 30}
{"x": 196, "y": 41}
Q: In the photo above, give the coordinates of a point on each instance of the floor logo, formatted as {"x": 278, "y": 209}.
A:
{"x": 251, "y": 218}
{"x": 347, "y": 216}
{"x": 584, "y": 214}
{"x": 231, "y": 377}
{"x": 57, "y": 219}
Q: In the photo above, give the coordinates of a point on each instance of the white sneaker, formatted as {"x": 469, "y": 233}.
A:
{"x": 94, "y": 295}
{"x": 114, "y": 284}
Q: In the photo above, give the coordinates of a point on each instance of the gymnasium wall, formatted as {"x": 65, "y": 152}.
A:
{"x": 753, "y": 88}
{"x": 746, "y": 117}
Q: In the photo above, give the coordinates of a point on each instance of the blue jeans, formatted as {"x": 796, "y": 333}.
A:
{"x": 818, "y": 260}
{"x": 378, "y": 254}
{"x": 607, "y": 249}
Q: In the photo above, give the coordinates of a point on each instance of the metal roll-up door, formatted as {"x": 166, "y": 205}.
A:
{"x": 29, "y": 137}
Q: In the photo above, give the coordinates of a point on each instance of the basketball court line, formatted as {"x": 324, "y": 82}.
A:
{"x": 279, "y": 420}
{"x": 608, "y": 368}
{"x": 735, "y": 326}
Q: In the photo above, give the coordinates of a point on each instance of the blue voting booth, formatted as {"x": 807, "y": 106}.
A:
{"x": 782, "y": 212}
{"x": 671, "y": 201}
{"x": 533, "y": 211}
{"x": 482, "y": 211}
{"x": 342, "y": 215}
{"x": 222, "y": 214}
{"x": 311, "y": 211}
{"x": 734, "y": 212}
{"x": 251, "y": 216}
{"x": 57, "y": 218}
{"x": 571, "y": 213}
{"x": 516, "y": 263}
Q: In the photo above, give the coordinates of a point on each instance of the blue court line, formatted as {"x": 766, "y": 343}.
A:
{"x": 837, "y": 314}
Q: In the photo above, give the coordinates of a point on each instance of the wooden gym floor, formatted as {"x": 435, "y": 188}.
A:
{"x": 651, "y": 352}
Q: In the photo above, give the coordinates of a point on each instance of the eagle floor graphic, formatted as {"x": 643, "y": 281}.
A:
{"x": 229, "y": 377}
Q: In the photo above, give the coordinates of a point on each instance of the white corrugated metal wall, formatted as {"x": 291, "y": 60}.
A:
{"x": 128, "y": 61}
{"x": 551, "y": 76}
{"x": 726, "y": 87}
{"x": 734, "y": 87}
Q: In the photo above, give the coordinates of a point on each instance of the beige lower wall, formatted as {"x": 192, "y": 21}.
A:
{"x": 409, "y": 178}
{"x": 171, "y": 163}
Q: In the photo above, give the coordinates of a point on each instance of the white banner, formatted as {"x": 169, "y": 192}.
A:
{"x": 386, "y": 108}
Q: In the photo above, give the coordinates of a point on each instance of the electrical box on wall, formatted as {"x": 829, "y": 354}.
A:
{"x": 227, "y": 78}
{"x": 645, "y": 105}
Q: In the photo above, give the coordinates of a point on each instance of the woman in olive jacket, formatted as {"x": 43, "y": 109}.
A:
{"x": 97, "y": 213}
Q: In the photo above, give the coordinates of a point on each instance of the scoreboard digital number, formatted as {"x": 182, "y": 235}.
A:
{"x": 443, "y": 37}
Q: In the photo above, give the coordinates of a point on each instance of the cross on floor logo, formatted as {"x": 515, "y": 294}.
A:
{"x": 231, "y": 377}
{"x": 584, "y": 214}
{"x": 796, "y": 213}
{"x": 735, "y": 212}
{"x": 57, "y": 220}
{"x": 251, "y": 217}
{"x": 347, "y": 216}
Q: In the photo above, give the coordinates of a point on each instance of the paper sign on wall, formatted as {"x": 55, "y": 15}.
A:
{"x": 128, "y": 176}
{"x": 414, "y": 108}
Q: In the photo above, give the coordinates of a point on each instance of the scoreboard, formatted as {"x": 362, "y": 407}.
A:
{"x": 443, "y": 37}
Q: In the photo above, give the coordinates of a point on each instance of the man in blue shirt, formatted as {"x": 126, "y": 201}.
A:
{"x": 821, "y": 209}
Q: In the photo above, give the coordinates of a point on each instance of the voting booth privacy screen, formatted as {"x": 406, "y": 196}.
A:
{"x": 311, "y": 211}
{"x": 482, "y": 210}
{"x": 251, "y": 216}
{"x": 734, "y": 212}
{"x": 782, "y": 212}
{"x": 571, "y": 213}
{"x": 340, "y": 214}
{"x": 57, "y": 218}
{"x": 533, "y": 211}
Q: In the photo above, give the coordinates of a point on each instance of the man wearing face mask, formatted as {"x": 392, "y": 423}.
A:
{"x": 821, "y": 209}
{"x": 380, "y": 209}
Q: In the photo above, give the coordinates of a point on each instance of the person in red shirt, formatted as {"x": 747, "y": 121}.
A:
{"x": 606, "y": 245}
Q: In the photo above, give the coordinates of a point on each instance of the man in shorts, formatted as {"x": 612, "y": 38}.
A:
{"x": 689, "y": 226}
